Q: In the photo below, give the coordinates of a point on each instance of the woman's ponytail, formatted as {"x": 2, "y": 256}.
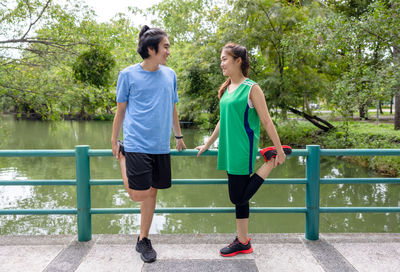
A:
{"x": 223, "y": 87}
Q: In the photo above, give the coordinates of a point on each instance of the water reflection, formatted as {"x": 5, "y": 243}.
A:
{"x": 65, "y": 135}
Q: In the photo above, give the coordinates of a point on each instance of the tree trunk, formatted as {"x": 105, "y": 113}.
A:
{"x": 315, "y": 120}
{"x": 391, "y": 104}
{"x": 363, "y": 112}
{"x": 397, "y": 109}
{"x": 396, "y": 57}
{"x": 306, "y": 106}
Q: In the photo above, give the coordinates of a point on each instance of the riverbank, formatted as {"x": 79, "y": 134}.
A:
{"x": 63, "y": 117}
{"x": 359, "y": 134}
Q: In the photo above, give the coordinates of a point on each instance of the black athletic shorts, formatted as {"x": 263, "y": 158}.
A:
{"x": 148, "y": 170}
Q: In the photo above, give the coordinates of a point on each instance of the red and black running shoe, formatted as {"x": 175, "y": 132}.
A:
{"x": 236, "y": 247}
{"x": 270, "y": 152}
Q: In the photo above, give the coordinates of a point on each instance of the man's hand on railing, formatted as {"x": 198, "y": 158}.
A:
{"x": 180, "y": 145}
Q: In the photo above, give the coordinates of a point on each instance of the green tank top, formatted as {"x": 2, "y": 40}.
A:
{"x": 239, "y": 131}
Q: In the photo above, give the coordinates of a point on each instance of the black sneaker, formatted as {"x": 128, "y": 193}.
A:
{"x": 235, "y": 248}
{"x": 147, "y": 252}
{"x": 121, "y": 147}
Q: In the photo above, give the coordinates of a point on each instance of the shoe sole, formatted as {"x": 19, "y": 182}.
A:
{"x": 247, "y": 251}
{"x": 143, "y": 259}
{"x": 147, "y": 261}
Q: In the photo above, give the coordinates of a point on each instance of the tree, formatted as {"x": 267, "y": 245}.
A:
{"x": 283, "y": 65}
{"x": 21, "y": 24}
{"x": 383, "y": 23}
{"x": 287, "y": 72}
{"x": 94, "y": 67}
{"x": 354, "y": 61}
{"x": 343, "y": 53}
{"x": 38, "y": 39}
{"x": 37, "y": 75}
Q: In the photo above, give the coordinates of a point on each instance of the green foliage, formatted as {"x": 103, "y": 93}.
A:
{"x": 357, "y": 135}
{"x": 354, "y": 57}
{"x": 293, "y": 133}
{"x": 57, "y": 62}
{"x": 281, "y": 63}
{"x": 94, "y": 67}
{"x": 351, "y": 8}
{"x": 38, "y": 80}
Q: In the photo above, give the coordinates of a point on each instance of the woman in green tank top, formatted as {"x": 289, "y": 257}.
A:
{"x": 242, "y": 108}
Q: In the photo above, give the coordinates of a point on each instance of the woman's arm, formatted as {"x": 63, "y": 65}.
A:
{"x": 258, "y": 100}
{"x": 211, "y": 140}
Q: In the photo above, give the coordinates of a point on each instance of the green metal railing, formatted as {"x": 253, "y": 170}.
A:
{"x": 312, "y": 181}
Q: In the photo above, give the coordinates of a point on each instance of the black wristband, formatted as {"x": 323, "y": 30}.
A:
{"x": 179, "y": 137}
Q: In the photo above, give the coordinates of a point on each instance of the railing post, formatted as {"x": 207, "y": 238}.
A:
{"x": 312, "y": 192}
{"x": 83, "y": 193}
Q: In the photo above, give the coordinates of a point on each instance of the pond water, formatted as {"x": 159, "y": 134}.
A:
{"x": 22, "y": 134}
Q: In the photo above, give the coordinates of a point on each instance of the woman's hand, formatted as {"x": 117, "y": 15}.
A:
{"x": 280, "y": 158}
{"x": 201, "y": 149}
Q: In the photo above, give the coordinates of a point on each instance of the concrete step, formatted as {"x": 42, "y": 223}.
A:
{"x": 199, "y": 252}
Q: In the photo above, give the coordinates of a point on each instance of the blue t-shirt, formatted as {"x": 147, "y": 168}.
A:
{"x": 148, "y": 119}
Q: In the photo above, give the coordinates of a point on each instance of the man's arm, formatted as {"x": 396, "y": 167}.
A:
{"x": 180, "y": 145}
{"x": 117, "y": 125}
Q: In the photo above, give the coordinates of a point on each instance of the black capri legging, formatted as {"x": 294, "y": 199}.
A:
{"x": 241, "y": 189}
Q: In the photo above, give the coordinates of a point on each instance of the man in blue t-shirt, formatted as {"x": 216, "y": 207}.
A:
{"x": 146, "y": 107}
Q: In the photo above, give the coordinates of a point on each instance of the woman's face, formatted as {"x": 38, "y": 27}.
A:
{"x": 229, "y": 64}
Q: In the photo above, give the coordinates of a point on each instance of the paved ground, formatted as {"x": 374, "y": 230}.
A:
{"x": 272, "y": 252}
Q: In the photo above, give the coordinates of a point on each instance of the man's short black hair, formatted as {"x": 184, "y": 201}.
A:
{"x": 149, "y": 38}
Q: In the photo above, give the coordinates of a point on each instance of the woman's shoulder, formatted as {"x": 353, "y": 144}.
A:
{"x": 249, "y": 82}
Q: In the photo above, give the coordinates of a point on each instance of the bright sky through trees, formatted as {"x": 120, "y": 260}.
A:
{"x": 106, "y": 9}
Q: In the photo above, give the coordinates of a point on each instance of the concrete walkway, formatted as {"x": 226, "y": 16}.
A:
{"x": 272, "y": 252}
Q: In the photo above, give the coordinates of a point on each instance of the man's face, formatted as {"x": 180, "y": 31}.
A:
{"x": 163, "y": 51}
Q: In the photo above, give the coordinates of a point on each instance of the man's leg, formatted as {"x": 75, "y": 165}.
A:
{"x": 147, "y": 208}
{"x": 146, "y": 197}
{"x": 161, "y": 178}
{"x": 135, "y": 195}
{"x": 122, "y": 166}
